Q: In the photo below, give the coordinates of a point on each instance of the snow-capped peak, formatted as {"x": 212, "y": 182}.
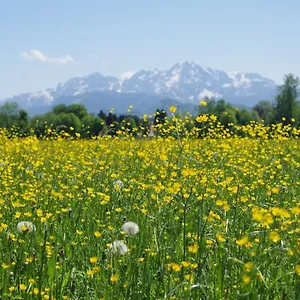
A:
{"x": 126, "y": 75}
{"x": 185, "y": 81}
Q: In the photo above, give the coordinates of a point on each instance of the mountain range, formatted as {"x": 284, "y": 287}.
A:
{"x": 184, "y": 84}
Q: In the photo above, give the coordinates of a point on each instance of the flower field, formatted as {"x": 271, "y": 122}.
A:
{"x": 124, "y": 218}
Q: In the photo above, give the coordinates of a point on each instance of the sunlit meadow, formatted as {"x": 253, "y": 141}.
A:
{"x": 172, "y": 217}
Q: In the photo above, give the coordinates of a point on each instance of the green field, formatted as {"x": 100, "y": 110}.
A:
{"x": 214, "y": 219}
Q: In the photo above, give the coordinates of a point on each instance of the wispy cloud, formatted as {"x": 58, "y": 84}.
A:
{"x": 36, "y": 55}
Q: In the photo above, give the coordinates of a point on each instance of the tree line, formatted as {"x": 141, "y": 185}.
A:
{"x": 75, "y": 119}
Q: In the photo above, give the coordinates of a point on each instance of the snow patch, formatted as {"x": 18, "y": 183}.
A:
{"x": 81, "y": 89}
{"x": 209, "y": 94}
{"x": 127, "y": 75}
{"x": 47, "y": 97}
{"x": 173, "y": 80}
{"x": 239, "y": 79}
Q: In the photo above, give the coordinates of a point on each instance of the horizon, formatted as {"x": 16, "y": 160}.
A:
{"x": 44, "y": 44}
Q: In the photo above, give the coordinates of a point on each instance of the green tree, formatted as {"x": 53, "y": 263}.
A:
{"x": 68, "y": 122}
{"x": 265, "y": 111}
{"x": 228, "y": 117}
{"x": 41, "y": 123}
{"x": 77, "y": 109}
{"x": 9, "y": 114}
{"x": 61, "y": 108}
{"x": 244, "y": 116}
{"x": 286, "y": 99}
{"x": 91, "y": 126}
{"x": 23, "y": 121}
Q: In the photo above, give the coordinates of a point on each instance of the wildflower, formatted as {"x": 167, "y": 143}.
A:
{"x": 114, "y": 277}
{"x": 26, "y": 226}
{"x": 22, "y": 287}
{"x": 172, "y": 109}
{"x": 248, "y": 266}
{"x": 90, "y": 273}
{"x": 246, "y": 279}
{"x": 93, "y": 259}
{"x": 243, "y": 241}
{"x": 297, "y": 269}
{"x": 119, "y": 247}
{"x": 274, "y": 236}
{"x": 220, "y": 237}
{"x": 97, "y": 234}
{"x": 176, "y": 267}
{"x": 118, "y": 184}
{"x": 5, "y": 266}
{"x": 193, "y": 248}
{"x": 130, "y": 228}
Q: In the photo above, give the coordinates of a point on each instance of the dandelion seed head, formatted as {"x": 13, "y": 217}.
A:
{"x": 118, "y": 184}
{"x": 26, "y": 226}
{"x": 119, "y": 247}
{"x": 130, "y": 228}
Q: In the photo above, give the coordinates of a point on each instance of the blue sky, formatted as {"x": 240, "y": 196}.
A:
{"x": 77, "y": 37}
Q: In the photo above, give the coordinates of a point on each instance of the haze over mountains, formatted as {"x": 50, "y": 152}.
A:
{"x": 184, "y": 84}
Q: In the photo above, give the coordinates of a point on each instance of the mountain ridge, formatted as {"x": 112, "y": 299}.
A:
{"x": 185, "y": 82}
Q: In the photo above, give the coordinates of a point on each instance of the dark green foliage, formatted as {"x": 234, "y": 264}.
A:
{"x": 286, "y": 99}
{"x": 160, "y": 117}
{"x": 266, "y": 111}
{"x": 77, "y": 109}
{"x": 91, "y": 126}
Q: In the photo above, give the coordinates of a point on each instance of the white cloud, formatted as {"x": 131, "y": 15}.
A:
{"x": 36, "y": 55}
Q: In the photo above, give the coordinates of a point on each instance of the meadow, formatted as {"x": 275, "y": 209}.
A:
{"x": 161, "y": 218}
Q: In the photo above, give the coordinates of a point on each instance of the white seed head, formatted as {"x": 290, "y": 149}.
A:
{"x": 130, "y": 228}
{"x": 26, "y": 226}
{"x": 118, "y": 247}
{"x": 118, "y": 184}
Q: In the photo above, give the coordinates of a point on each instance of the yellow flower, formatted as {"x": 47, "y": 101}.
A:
{"x": 23, "y": 287}
{"x": 90, "y": 273}
{"x": 193, "y": 248}
{"x": 203, "y": 103}
{"x": 274, "y": 236}
{"x": 243, "y": 241}
{"x": 219, "y": 237}
{"x": 248, "y": 266}
{"x": 97, "y": 234}
{"x": 176, "y": 267}
{"x": 275, "y": 190}
{"x": 114, "y": 277}
{"x": 93, "y": 259}
{"x": 5, "y": 266}
{"x": 172, "y": 109}
{"x": 246, "y": 279}
{"x": 185, "y": 264}
{"x": 297, "y": 270}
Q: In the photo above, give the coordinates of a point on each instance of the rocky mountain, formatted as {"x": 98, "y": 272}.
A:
{"x": 184, "y": 83}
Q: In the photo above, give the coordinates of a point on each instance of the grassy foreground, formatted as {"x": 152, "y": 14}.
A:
{"x": 217, "y": 218}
